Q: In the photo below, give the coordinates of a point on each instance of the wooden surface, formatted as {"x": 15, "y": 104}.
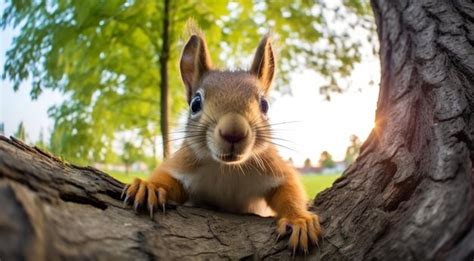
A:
{"x": 50, "y": 209}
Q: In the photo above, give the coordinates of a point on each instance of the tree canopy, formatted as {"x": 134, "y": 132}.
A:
{"x": 103, "y": 56}
{"x": 21, "y": 132}
{"x": 307, "y": 163}
{"x": 325, "y": 160}
{"x": 352, "y": 151}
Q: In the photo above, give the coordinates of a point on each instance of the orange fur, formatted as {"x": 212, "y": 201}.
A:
{"x": 226, "y": 159}
{"x": 288, "y": 201}
{"x": 174, "y": 189}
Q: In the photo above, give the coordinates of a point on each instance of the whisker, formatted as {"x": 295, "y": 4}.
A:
{"x": 258, "y": 161}
{"x": 211, "y": 119}
{"x": 183, "y": 138}
{"x": 193, "y": 126}
{"x": 185, "y": 132}
{"x": 271, "y": 130}
{"x": 189, "y": 145}
{"x": 282, "y": 146}
{"x": 274, "y": 138}
{"x": 242, "y": 169}
{"x": 270, "y": 166}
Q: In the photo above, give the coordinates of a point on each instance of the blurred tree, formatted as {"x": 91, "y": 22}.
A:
{"x": 317, "y": 35}
{"x": 130, "y": 154}
{"x": 307, "y": 163}
{"x": 163, "y": 60}
{"x": 325, "y": 160}
{"x": 290, "y": 161}
{"x": 352, "y": 150}
{"x": 111, "y": 58}
{"x": 21, "y": 132}
{"x": 41, "y": 142}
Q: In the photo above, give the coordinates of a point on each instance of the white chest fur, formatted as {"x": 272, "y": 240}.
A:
{"x": 229, "y": 188}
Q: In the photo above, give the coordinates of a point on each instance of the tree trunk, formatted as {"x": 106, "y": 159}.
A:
{"x": 409, "y": 195}
{"x": 164, "y": 57}
{"x": 154, "y": 150}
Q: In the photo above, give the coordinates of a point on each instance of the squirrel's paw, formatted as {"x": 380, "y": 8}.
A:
{"x": 143, "y": 193}
{"x": 305, "y": 230}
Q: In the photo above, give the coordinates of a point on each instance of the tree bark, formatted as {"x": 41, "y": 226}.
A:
{"x": 54, "y": 210}
{"x": 164, "y": 86}
{"x": 409, "y": 195}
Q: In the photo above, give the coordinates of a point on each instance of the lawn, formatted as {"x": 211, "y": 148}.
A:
{"x": 127, "y": 178}
{"x": 312, "y": 183}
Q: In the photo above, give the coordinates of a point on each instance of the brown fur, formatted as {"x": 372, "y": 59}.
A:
{"x": 235, "y": 176}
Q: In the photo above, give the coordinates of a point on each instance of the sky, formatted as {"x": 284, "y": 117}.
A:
{"x": 314, "y": 124}
{"x": 325, "y": 125}
{"x": 16, "y": 107}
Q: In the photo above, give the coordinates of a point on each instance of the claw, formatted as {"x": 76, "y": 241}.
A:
{"x": 288, "y": 228}
{"x": 125, "y": 201}
{"x": 135, "y": 206}
{"x": 151, "y": 210}
{"x": 277, "y": 239}
{"x": 124, "y": 191}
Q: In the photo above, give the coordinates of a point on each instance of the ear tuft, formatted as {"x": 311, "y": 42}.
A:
{"x": 263, "y": 65}
{"x": 195, "y": 60}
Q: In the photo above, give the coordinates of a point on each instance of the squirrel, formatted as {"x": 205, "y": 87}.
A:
{"x": 227, "y": 159}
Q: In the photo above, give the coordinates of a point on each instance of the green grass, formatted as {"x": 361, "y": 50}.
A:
{"x": 313, "y": 184}
{"x": 127, "y": 178}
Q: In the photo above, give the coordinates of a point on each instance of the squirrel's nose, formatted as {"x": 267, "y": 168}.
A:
{"x": 232, "y": 137}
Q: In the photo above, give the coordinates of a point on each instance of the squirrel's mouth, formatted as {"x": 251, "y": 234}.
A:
{"x": 230, "y": 158}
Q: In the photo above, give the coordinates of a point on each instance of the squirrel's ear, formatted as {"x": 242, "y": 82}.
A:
{"x": 263, "y": 65}
{"x": 195, "y": 62}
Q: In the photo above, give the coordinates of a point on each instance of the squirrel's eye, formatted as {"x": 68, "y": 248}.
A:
{"x": 263, "y": 105}
{"x": 196, "y": 104}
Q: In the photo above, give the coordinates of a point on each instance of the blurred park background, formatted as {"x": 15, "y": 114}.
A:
{"x": 97, "y": 82}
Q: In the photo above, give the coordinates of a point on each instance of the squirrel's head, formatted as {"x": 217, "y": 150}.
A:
{"x": 227, "y": 109}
